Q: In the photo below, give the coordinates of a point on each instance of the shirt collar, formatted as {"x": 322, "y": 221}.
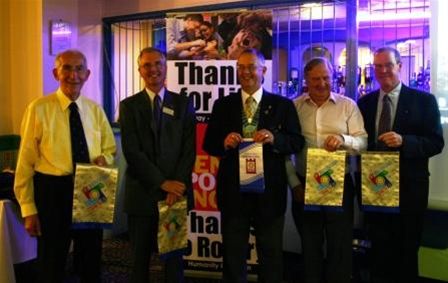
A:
{"x": 256, "y": 95}
{"x": 333, "y": 98}
{"x": 152, "y": 94}
{"x": 65, "y": 102}
{"x": 393, "y": 94}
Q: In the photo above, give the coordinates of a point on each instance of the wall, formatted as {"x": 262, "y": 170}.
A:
{"x": 85, "y": 20}
{"x": 55, "y": 10}
{"x": 21, "y": 60}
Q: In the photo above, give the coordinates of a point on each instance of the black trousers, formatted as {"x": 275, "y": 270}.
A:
{"x": 395, "y": 243}
{"x": 143, "y": 235}
{"x": 269, "y": 245}
{"x": 334, "y": 227}
{"x": 53, "y": 196}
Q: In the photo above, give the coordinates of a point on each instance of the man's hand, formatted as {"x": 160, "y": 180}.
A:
{"x": 32, "y": 225}
{"x": 174, "y": 187}
{"x": 232, "y": 140}
{"x": 298, "y": 193}
{"x": 264, "y": 136}
{"x": 391, "y": 139}
{"x": 333, "y": 142}
{"x": 171, "y": 199}
{"x": 100, "y": 161}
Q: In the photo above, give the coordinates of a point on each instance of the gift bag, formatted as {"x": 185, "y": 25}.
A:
{"x": 380, "y": 181}
{"x": 94, "y": 196}
{"x": 172, "y": 233}
{"x": 325, "y": 172}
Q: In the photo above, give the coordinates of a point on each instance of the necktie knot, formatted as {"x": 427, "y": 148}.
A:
{"x": 73, "y": 106}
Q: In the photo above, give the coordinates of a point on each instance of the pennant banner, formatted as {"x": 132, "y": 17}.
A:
{"x": 251, "y": 167}
{"x": 380, "y": 181}
{"x": 94, "y": 196}
{"x": 172, "y": 238}
{"x": 325, "y": 172}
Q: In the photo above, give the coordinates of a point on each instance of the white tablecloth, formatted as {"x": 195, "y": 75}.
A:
{"x": 15, "y": 244}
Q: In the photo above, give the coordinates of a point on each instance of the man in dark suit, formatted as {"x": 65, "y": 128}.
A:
{"x": 415, "y": 131}
{"x": 158, "y": 140}
{"x": 274, "y": 123}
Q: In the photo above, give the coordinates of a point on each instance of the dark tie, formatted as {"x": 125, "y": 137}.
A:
{"x": 385, "y": 122}
{"x": 80, "y": 151}
{"x": 156, "y": 111}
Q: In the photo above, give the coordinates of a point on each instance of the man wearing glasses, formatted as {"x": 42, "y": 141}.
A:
{"x": 398, "y": 118}
{"x": 268, "y": 119}
{"x": 58, "y": 131}
{"x": 158, "y": 136}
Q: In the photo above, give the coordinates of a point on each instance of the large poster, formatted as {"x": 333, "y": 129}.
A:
{"x": 202, "y": 49}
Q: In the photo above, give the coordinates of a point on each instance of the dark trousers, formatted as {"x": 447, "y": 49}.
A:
{"x": 54, "y": 200}
{"x": 269, "y": 245}
{"x": 335, "y": 227}
{"x": 395, "y": 243}
{"x": 143, "y": 236}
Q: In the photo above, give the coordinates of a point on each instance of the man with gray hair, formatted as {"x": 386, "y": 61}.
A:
{"x": 270, "y": 120}
{"x": 58, "y": 131}
{"x": 399, "y": 118}
{"x": 158, "y": 137}
{"x": 332, "y": 122}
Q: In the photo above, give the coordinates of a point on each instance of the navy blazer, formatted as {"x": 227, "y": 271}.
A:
{"x": 278, "y": 115}
{"x": 417, "y": 120}
{"x": 149, "y": 162}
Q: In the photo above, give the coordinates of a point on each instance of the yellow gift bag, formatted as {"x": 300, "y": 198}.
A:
{"x": 325, "y": 172}
{"x": 380, "y": 181}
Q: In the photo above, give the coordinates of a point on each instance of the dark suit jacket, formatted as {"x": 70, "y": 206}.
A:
{"x": 150, "y": 163}
{"x": 417, "y": 120}
{"x": 278, "y": 115}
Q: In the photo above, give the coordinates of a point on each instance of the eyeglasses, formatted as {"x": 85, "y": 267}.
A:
{"x": 250, "y": 68}
{"x": 388, "y": 66}
{"x": 157, "y": 65}
{"x": 77, "y": 69}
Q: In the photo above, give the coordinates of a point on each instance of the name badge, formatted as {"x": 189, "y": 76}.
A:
{"x": 168, "y": 111}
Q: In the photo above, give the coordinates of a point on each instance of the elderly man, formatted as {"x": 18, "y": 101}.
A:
{"x": 330, "y": 121}
{"x": 268, "y": 119}
{"x": 406, "y": 120}
{"x": 58, "y": 131}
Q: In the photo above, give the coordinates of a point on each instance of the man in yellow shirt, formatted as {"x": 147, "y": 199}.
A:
{"x": 49, "y": 149}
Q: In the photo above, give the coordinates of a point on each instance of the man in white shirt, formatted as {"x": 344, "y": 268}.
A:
{"x": 330, "y": 121}
{"x": 45, "y": 169}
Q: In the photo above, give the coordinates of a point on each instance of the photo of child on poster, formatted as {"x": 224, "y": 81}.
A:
{"x": 218, "y": 36}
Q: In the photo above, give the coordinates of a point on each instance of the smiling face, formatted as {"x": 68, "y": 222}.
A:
{"x": 318, "y": 80}
{"x": 387, "y": 70}
{"x": 250, "y": 72}
{"x": 71, "y": 72}
{"x": 152, "y": 68}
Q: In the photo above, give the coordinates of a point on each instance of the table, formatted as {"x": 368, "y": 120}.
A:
{"x": 15, "y": 244}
